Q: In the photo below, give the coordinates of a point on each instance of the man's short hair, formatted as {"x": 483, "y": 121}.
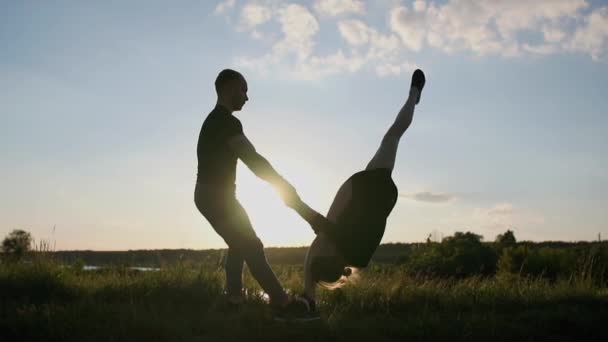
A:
{"x": 225, "y": 76}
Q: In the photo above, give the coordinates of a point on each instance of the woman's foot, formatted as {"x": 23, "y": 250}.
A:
{"x": 311, "y": 302}
{"x": 235, "y": 300}
{"x": 297, "y": 309}
{"x": 418, "y": 81}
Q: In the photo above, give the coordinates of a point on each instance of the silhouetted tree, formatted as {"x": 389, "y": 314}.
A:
{"x": 16, "y": 244}
{"x": 506, "y": 240}
{"x": 461, "y": 255}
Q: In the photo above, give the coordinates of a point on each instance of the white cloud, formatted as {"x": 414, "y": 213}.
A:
{"x": 491, "y": 220}
{"x": 255, "y": 34}
{"x": 319, "y": 67}
{"x": 388, "y": 69}
{"x": 299, "y": 27}
{"x": 358, "y": 34}
{"x": 409, "y": 26}
{"x": 355, "y": 32}
{"x": 260, "y": 65}
{"x": 384, "y": 47}
{"x": 254, "y": 14}
{"x": 223, "y": 6}
{"x": 592, "y": 37}
{"x": 427, "y": 196}
{"x": 553, "y": 34}
{"x": 543, "y": 49}
{"x": 382, "y": 50}
{"x": 483, "y": 27}
{"x": 504, "y": 216}
{"x": 500, "y": 209}
{"x": 263, "y": 66}
{"x": 333, "y": 8}
{"x": 491, "y": 27}
{"x": 516, "y": 15}
{"x": 498, "y": 217}
{"x": 419, "y": 5}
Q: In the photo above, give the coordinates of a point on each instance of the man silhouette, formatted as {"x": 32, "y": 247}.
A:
{"x": 221, "y": 143}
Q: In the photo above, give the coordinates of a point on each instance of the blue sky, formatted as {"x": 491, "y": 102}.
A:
{"x": 101, "y": 104}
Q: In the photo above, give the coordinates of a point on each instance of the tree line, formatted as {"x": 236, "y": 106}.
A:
{"x": 461, "y": 255}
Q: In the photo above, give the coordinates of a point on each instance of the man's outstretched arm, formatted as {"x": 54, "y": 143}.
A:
{"x": 245, "y": 151}
{"x": 318, "y": 222}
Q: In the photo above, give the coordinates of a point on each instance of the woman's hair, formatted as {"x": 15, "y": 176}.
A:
{"x": 330, "y": 271}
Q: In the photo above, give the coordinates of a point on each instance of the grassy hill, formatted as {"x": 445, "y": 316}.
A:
{"x": 46, "y": 301}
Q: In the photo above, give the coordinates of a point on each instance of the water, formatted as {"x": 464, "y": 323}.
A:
{"x": 93, "y": 268}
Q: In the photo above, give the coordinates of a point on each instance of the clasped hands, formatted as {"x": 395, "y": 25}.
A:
{"x": 290, "y": 197}
{"x": 288, "y": 193}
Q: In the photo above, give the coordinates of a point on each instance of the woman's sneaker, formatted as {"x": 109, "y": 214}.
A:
{"x": 418, "y": 81}
{"x": 313, "y": 313}
{"x": 298, "y": 309}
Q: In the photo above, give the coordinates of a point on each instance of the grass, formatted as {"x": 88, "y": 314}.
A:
{"x": 46, "y": 301}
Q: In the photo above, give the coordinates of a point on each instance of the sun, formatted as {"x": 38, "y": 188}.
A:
{"x": 274, "y": 222}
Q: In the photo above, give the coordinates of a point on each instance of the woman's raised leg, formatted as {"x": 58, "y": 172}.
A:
{"x": 387, "y": 152}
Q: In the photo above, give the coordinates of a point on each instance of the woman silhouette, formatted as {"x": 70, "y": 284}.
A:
{"x": 356, "y": 220}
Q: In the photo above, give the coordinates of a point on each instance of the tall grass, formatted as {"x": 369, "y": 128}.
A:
{"x": 46, "y": 300}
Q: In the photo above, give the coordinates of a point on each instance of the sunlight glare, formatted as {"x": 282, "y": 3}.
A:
{"x": 274, "y": 222}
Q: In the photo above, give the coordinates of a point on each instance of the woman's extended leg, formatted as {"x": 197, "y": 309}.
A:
{"x": 384, "y": 157}
{"x": 387, "y": 152}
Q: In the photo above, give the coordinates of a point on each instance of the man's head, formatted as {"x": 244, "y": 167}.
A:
{"x": 231, "y": 89}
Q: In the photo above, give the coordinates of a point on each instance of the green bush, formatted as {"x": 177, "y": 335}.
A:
{"x": 553, "y": 262}
{"x": 459, "y": 256}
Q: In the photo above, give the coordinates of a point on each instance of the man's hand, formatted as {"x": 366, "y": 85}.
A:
{"x": 288, "y": 193}
{"x": 320, "y": 224}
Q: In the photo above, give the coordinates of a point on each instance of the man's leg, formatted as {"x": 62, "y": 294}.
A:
{"x": 387, "y": 152}
{"x": 245, "y": 245}
{"x": 234, "y": 273}
{"x": 230, "y": 221}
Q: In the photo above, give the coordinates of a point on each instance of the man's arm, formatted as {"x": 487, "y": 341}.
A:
{"x": 245, "y": 151}
{"x": 317, "y": 222}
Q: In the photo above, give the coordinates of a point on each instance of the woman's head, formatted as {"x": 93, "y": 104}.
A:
{"x": 328, "y": 267}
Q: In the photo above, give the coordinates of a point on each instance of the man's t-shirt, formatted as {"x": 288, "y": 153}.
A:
{"x": 360, "y": 227}
{"x": 216, "y": 162}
